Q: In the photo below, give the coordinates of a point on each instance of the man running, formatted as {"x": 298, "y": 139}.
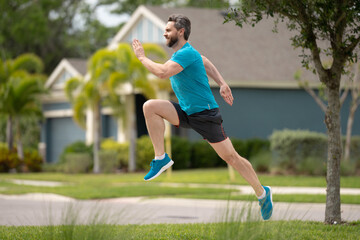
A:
{"x": 197, "y": 108}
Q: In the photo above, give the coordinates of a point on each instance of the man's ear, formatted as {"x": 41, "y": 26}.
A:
{"x": 182, "y": 31}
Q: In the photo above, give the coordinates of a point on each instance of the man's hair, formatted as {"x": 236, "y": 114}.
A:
{"x": 181, "y": 21}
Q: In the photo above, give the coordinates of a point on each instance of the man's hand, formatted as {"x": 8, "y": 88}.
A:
{"x": 225, "y": 92}
{"x": 138, "y": 49}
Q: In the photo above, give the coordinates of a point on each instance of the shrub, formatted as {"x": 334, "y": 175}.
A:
{"x": 181, "y": 152}
{"x": 144, "y": 152}
{"x": 76, "y": 147}
{"x": 109, "y": 162}
{"x": 311, "y": 166}
{"x": 33, "y": 161}
{"x": 75, "y": 158}
{"x": 240, "y": 147}
{"x": 122, "y": 150}
{"x": 347, "y": 168}
{"x": 261, "y": 161}
{"x": 256, "y": 146}
{"x": 203, "y": 155}
{"x": 8, "y": 159}
{"x": 355, "y": 149}
{"x": 77, "y": 163}
{"x": 291, "y": 147}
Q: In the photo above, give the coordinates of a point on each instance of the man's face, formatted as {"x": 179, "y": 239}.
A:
{"x": 171, "y": 34}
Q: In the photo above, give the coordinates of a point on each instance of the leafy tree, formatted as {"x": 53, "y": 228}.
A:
{"x": 109, "y": 71}
{"x": 129, "y": 6}
{"x": 337, "y": 24}
{"x": 21, "y": 84}
{"x": 51, "y": 29}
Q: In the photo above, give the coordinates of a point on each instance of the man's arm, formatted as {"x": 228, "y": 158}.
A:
{"x": 166, "y": 70}
{"x": 212, "y": 71}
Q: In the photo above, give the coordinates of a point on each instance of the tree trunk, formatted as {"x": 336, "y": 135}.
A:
{"x": 9, "y": 133}
{"x": 131, "y": 111}
{"x": 332, "y": 120}
{"x": 97, "y": 134}
{"x": 20, "y": 150}
{"x": 349, "y": 126}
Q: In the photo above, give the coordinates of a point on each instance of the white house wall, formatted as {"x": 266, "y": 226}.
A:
{"x": 145, "y": 31}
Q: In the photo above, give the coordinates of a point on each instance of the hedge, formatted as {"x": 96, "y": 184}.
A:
{"x": 299, "y": 150}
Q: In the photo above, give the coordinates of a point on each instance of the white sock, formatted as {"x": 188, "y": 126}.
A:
{"x": 160, "y": 157}
{"x": 262, "y": 195}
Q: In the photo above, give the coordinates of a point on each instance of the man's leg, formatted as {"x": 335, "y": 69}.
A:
{"x": 227, "y": 152}
{"x": 155, "y": 111}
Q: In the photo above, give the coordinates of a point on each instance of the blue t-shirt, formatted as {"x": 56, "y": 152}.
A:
{"x": 191, "y": 85}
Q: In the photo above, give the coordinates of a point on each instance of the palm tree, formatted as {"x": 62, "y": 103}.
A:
{"x": 21, "y": 84}
{"x": 109, "y": 71}
{"x": 130, "y": 70}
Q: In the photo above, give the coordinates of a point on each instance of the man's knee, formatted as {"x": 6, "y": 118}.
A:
{"x": 149, "y": 107}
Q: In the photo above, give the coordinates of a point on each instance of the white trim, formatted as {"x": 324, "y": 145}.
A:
{"x": 135, "y": 17}
{"x": 107, "y": 111}
{"x": 58, "y": 113}
{"x": 63, "y": 65}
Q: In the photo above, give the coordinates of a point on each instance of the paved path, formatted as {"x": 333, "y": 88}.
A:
{"x": 52, "y": 209}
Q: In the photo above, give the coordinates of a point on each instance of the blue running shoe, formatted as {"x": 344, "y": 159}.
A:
{"x": 266, "y": 204}
{"x": 158, "y": 166}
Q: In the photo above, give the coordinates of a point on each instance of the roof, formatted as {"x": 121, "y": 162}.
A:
{"x": 248, "y": 56}
{"x": 79, "y": 64}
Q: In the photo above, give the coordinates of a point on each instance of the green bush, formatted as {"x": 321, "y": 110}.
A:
{"x": 355, "y": 149}
{"x": 291, "y": 147}
{"x": 347, "y": 168}
{"x": 203, "y": 155}
{"x": 255, "y": 146}
{"x": 122, "y": 150}
{"x": 109, "y": 162}
{"x": 144, "y": 152}
{"x": 33, "y": 161}
{"x": 8, "y": 159}
{"x": 77, "y": 163}
{"x": 76, "y": 147}
{"x": 181, "y": 152}
{"x": 261, "y": 161}
{"x": 311, "y": 166}
{"x": 240, "y": 147}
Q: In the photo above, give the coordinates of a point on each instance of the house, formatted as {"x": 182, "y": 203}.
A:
{"x": 258, "y": 64}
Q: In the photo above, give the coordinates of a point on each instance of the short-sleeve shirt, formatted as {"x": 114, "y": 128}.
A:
{"x": 191, "y": 85}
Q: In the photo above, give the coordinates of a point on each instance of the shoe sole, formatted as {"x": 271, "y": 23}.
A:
{"x": 161, "y": 170}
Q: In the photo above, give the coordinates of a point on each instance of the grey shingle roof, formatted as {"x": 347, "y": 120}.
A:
{"x": 248, "y": 55}
{"x": 79, "y": 64}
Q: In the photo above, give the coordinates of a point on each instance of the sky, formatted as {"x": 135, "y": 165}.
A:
{"x": 104, "y": 16}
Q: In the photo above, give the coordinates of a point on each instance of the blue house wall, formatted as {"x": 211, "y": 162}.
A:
{"x": 256, "y": 113}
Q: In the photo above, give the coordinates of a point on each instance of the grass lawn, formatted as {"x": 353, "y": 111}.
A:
{"x": 217, "y": 231}
{"x": 94, "y": 186}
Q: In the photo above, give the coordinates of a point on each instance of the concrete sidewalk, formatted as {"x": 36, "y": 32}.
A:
{"x": 52, "y": 209}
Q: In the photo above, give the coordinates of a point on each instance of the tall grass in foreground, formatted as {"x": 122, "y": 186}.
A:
{"x": 235, "y": 222}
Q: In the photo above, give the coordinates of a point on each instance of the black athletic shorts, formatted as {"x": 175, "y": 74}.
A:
{"x": 207, "y": 123}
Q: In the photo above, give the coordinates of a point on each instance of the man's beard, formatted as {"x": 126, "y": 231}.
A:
{"x": 173, "y": 41}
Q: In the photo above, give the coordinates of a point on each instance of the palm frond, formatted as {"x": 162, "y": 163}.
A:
{"x": 124, "y": 53}
{"x": 116, "y": 79}
{"x": 28, "y": 62}
{"x": 79, "y": 111}
{"x": 71, "y": 86}
{"x": 146, "y": 88}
